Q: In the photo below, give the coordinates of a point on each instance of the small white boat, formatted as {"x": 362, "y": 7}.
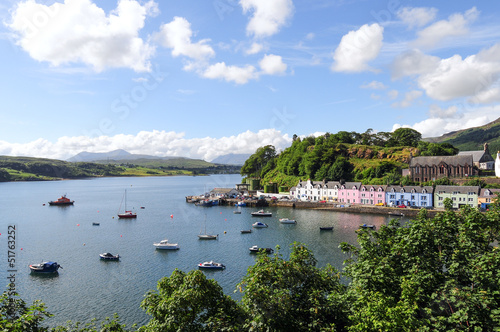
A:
{"x": 165, "y": 245}
{"x": 211, "y": 266}
{"x": 237, "y": 211}
{"x": 245, "y": 231}
{"x": 109, "y": 257}
{"x": 259, "y": 224}
{"x": 287, "y": 221}
{"x": 205, "y": 236}
{"x": 261, "y": 213}
{"x": 257, "y": 249}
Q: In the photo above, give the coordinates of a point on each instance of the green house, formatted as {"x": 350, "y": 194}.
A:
{"x": 460, "y": 196}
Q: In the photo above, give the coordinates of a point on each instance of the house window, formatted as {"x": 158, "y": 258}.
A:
{"x": 424, "y": 198}
{"x": 454, "y": 198}
{"x": 440, "y": 198}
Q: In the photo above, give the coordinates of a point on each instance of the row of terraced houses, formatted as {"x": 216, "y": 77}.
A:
{"x": 410, "y": 196}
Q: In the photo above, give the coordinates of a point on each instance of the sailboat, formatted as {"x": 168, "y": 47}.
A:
{"x": 206, "y": 236}
{"x": 127, "y": 214}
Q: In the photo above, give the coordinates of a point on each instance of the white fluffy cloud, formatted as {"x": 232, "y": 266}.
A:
{"x": 77, "y": 31}
{"x": 157, "y": 143}
{"x": 268, "y": 16}
{"x": 445, "y": 120}
{"x": 456, "y": 77}
{"x": 375, "y": 85}
{"x": 456, "y": 25}
{"x": 255, "y": 48}
{"x": 408, "y": 99}
{"x": 417, "y": 17}
{"x": 238, "y": 75}
{"x": 177, "y": 36}
{"x": 413, "y": 62}
{"x": 272, "y": 64}
{"x": 357, "y": 48}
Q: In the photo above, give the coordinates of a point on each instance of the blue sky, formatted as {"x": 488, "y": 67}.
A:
{"x": 204, "y": 78}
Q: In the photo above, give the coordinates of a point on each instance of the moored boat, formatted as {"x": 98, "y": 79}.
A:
{"x": 165, "y": 245}
{"x": 287, "y": 221}
{"x": 326, "y": 228}
{"x": 257, "y": 249}
{"x": 63, "y": 200}
{"x": 109, "y": 257}
{"x": 259, "y": 224}
{"x": 211, "y": 266}
{"x": 368, "y": 226}
{"x": 245, "y": 231}
{"x": 261, "y": 213}
{"x": 45, "y": 267}
{"x": 127, "y": 214}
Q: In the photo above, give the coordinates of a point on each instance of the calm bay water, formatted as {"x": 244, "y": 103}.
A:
{"x": 88, "y": 288}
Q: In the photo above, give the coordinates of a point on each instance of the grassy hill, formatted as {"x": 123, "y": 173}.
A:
{"x": 473, "y": 139}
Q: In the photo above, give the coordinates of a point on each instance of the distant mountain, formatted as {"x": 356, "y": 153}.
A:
{"x": 232, "y": 159}
{"x": 112, "y": 155}
{"x": 473, "y": 139}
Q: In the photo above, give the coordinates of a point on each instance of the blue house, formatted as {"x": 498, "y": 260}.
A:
{"x": 411, "y": 196}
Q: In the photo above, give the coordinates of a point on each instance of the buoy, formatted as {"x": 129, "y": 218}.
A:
{"x": 78, "y": 224}
{"x": 121, "y": 235}
{"x": 225, "y": 232}
{"x": 221, "y": 212}
{"x": 84, "y": 244}
{"x": 21, "y": 248}
{"x": 171, "y": 216}
{"x": 225, "y": 219}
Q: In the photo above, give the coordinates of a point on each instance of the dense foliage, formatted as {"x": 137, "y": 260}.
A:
{"x": 432, "y": 274}
{"x": 371, "y": 158}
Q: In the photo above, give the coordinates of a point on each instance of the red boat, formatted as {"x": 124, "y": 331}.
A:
{"x": 127, "y": 214}
{"x": 62, "y": 201}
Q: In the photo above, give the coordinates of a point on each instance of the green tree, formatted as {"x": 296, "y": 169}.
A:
{"x": 340, "y": 169}
{"x": 190, "y": 302}
{"x": 254, "y": 164}
{"x": 438, "y": 274}
{"x": 404, "y": 137}
{"x": 292, "y": 295}
{"x": 17, "y": 316}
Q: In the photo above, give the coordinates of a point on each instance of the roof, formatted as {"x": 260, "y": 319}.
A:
{"x": 478, "y": 156}
{"x": 222, "y": 190}
{"x": 459, "y": 189}
{"x": 457, "y": 160}
{"x": 493, "y": 192}
{"x": 350, "y": 185}
{"x": 408, "y": 189}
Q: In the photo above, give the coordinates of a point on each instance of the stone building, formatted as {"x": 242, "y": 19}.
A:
{"x": 482, "y": 159}
{"x": 423, "y": 169}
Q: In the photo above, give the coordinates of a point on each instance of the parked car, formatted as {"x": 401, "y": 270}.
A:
{"x": 322, "y": 201}
{"x": 379, "y": 204}
{"x": 402, "y": 206}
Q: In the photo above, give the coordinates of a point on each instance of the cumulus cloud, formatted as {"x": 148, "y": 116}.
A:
{"x": 255, "y": 48}
{"x": 177, "y": 36}
{"x": 238, "y": 75}
{"x": 456, "y": 25}
{"x": 455, "y": 77}
{"x": 156, "y": 143}
{"x": 413, "y": 62}
{"x": 375, "y": 85}
{"x": 272, "y": 64}
{"x": 416, "y": 17}
{"x": 408, "y": 99}
{"x": 358, "y": 47}
{"x": 442, "y": 121}
{"x": 393, "y": 94}
{"x": 78, "y": 31}
{"x": 268, "y": 16}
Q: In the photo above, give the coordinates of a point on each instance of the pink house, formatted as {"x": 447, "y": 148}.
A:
{"x": 349, "y": 192}
{"x": 371, "y": 195}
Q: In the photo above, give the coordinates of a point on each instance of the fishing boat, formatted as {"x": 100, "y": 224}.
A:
{"x": 326, "y": 228}
{"x": 259, "y": 224}
{"x": 205, "y": 236}
{"x": 165, "y": 245}
{"x": 261, "y": 213}
{"x": 45, "y": 267}
{"x": 287, "y": 221}
{"x": 127, "y": 214}
{"x": 95, "y": 224}
{"x": 257, "y": 249}
{"x": 368, "y": 226}
{"x": 109, "y": 257}
{"x": 63, "y": 200}
{"x": 245, "y": 231}
{"x": 211, "y": 266}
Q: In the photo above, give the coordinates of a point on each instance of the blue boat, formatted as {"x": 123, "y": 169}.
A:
{"x": 45, "y": 267}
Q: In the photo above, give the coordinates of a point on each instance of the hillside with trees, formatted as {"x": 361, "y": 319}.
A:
{"x": 473, "y": 139}
{"x": 371, "y": 158}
